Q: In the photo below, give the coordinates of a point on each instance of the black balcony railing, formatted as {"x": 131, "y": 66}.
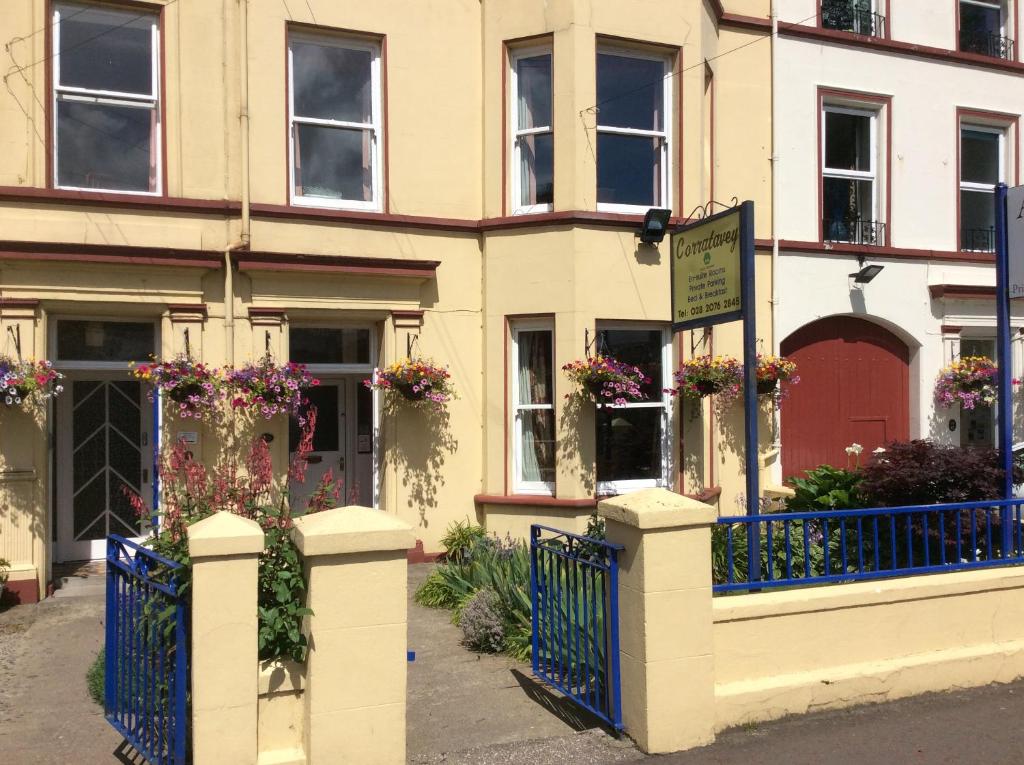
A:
{"x": 851, "y": 16}
{"x": 978, "y": 239}
{"x": 869, "y": 232}
{"x": 986, "y": 43}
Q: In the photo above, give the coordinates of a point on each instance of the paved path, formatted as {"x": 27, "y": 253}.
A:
{"x": 46, "y": 715}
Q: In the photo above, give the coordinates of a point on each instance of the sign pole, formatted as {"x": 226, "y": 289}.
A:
{"x": 750, "y": 386}
{"x": 1005, "y": 411}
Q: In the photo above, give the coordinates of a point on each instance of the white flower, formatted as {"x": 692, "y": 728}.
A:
{"x": 879, "y": 450}
{"x": 854, "y": 449}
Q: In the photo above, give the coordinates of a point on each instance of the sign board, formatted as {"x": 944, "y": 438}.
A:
{"x": 706, "y": 275}
{"x": 1015, "y": 240}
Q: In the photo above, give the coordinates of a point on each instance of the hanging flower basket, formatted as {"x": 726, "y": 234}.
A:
{"x": 22, "y": 381}
{"x": 704, "y": 376}
{"x": 418, "y": 381}
{"x": 194, "y": 389}
{"x": 421, "y": 382}
{"x": 266, "y": 388}
{"x": 607, "y": 381}
{"x": 771, "y": 370}
{"x": 969, "y": 381}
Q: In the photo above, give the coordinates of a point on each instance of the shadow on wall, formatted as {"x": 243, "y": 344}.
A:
{"x": 694, "y": 443}
{"x": 575, "y": 450}
{"x": 730, "y": 419}
{"x": 423, "y": 441}
{"x": 21, "y": 484}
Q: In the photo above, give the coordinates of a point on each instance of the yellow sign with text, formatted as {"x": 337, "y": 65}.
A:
{"x": 706, "y": 279}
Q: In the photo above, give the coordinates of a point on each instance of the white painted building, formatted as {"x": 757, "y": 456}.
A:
{"x": 891, "y": 129}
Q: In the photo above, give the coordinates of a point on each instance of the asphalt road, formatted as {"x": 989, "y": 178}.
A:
{"x": 962, "y": 727}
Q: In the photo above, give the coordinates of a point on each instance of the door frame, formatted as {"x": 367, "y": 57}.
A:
{"x": 69, "y": 549}
{"x": 60, "y": 439}
{"x": 355, "y": 373}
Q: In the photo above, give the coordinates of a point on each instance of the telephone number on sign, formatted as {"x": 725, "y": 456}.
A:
{"x": 715, "y": 306}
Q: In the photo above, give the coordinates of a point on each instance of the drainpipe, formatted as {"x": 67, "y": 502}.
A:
{"x": 245, "y": 233}
{"x": 776, "y": 341}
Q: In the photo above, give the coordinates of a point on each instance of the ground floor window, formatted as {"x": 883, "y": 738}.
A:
{"x": 533, "y": 407}
{"x": 632, "y": 442}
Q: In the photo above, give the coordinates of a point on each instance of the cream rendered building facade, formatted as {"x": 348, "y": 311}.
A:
{"x": 343, "y": 185}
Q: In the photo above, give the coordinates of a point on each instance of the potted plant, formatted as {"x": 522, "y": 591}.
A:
{"x": 419, "y": 381}
{"x": 266, "y": 388}
{"x": 968, "y": 381}
{"x": 606, "y": 380}
{"x": 5, "y": 568}
{"x": 703, "y": 376}
{"x": 771, "y": 370}
{"x": 194, "y": 389}
{"x": 22, "y": 380}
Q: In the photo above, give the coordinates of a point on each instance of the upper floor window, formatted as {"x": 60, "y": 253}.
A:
{"x": 334, "y": 112}
{"x": 634, "y": 108}
{"x": 533, "y": 408}
{"x": 106, "y": 99}
{"x": 981, "y": 168}
{"x": 632, "y": 443}
{"x": 863, "y": 17}
{"x": 532, "y": 136}
{"x": 850, "y": 176}
{"x": 983, "y": 28}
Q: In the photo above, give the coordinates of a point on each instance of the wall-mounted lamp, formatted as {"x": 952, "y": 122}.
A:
{"x": 866, "y": 273}
{"x": 655, "y": 225}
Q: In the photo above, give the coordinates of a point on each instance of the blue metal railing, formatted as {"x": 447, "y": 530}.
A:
{"x": 574, "y": 583}
{"x": 147, "y": 670}
{"x": 851, "y": 545}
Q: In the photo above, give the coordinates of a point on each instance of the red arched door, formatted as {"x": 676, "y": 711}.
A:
{"x": 854, "y": 388}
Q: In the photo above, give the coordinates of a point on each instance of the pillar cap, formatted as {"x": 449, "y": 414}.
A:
{"x": 351, "y": 529}
{"x": 224, "y": 533}
{"x": 657, "y": 509}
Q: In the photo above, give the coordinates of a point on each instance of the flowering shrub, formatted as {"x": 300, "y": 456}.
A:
{"x": 420, "y": 381}
{"x": 969, "y": 381}
{"x": 191, "y": 492}
{"x": 482, "y": 623}
{"x": 20, "y": 380}
{"x": 194, "y": 388}
{"x": 267, "y": 389}
{"x": 606, "y": 380}
{"x": 771, "y": 370}
{"x": 703, "y": 376}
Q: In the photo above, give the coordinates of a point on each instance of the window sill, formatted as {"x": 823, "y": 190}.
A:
{"x": 314, "y": 203}
{"x": 535, "y": 500}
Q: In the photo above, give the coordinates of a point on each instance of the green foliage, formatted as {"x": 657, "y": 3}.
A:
{"x": 460, "y": 538}
{"x": 282, "y": 595}
{"x": 5, "y": 567}
{"x": 475, "y": 562}
{"x": 94, "y": 677}
{"x": 826, "y": 488}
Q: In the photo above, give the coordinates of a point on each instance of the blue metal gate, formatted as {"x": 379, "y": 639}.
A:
{"x": 147, "y": 670}
{"x": 574, "y": 582}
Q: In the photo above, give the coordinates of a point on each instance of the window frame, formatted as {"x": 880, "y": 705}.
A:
{"x": 973, "y": 186}
{"x": 871, "y": 175}
{"x": 666, "y": 135}
{"x": 519, "y": 486}
{"x": 665, "y": 404}
{"x": 375, "y": 126}
{"x": 152, "y": 101}
{"x": 336, "y": 369}
{"x": 515, "y": 170}
{"x": 1003, "y": 6}
{"x": 78, "y": 365}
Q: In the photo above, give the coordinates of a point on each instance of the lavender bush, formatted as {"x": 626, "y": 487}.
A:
{"x": 482, "y": 622}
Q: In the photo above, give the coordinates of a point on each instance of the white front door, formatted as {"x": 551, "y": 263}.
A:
{"x": 342, "y": 443}
{"x": 104, "y": 437}
{"x": 329, "y": 442}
